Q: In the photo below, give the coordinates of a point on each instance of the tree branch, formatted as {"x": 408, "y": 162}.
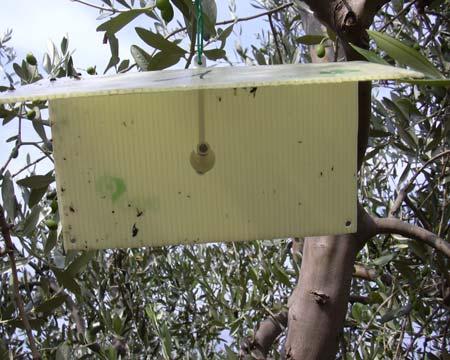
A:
{"x": 396, "y": 226}
{"x": 9, "y": 248}
{"x": 258, "y": 346}
{"x": 361, "y": 272}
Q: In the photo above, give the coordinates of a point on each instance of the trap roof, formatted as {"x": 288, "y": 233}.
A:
{"x": 206, "y": 78}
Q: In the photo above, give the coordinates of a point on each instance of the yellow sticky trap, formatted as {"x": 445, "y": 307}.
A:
{"x": 283, "y": 141}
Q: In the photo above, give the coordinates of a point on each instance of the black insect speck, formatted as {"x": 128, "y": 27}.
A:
{"x": 134, "y": 230}
{"x": 71, "y": 209}
{"x": 139, "y": 213}
{"x": 253, "y": 91}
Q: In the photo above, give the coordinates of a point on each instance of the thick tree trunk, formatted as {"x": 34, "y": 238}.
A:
{"x": 318, "y": 306}
{"x": 319, "y": 303}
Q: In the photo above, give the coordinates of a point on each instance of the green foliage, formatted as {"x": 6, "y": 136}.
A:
{"x": 201, "y": 301}
{"x": 404, "y": 54}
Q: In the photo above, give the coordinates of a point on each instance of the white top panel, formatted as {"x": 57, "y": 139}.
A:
{"x": 206, "y": 78}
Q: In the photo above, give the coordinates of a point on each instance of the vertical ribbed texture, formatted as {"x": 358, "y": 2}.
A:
{"x": 285, "y": 166}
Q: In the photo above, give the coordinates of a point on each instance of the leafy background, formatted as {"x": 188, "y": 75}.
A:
{"x": 202, "y": 301}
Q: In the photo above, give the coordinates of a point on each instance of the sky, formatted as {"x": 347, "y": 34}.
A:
{"x": 35, "y": 22}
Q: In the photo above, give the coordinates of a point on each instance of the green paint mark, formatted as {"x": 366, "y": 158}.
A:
{"x": 338, "y": 71}
{"x": 111, "y": 187}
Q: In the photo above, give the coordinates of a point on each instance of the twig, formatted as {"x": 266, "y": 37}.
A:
{"x": 113, "y": 10}
{"x": 404, "y": 191}
{"x": 372, "y": 319}
{"x": 193, "y": 41}
{"x": 400, "y": 13}
{"x": 275, "y": 38}
{"x": 3, "y": 168}
{"x": 29, "y": 165}
{"x": 419, "y": 213}
{"x": 400, "y": 341}
{"x": 266, "y": 13}
{"x": 9, "y": 247}
{"x": 18, "y": 142}
{"x": 238, "y": 20}
{"x": 420, "y": 332}
{"x": 444, "y": 198}
{"x": 445, "y": 335}
{"x": 46, "y": 153}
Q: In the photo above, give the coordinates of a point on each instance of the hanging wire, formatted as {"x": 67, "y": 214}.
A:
{"x": 200, "y": 30}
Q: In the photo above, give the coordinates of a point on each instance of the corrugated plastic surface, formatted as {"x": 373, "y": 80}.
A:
{"x": 285, "y": 165}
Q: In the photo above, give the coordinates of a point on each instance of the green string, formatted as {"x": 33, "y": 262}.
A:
{"x": 200, "y": 30}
